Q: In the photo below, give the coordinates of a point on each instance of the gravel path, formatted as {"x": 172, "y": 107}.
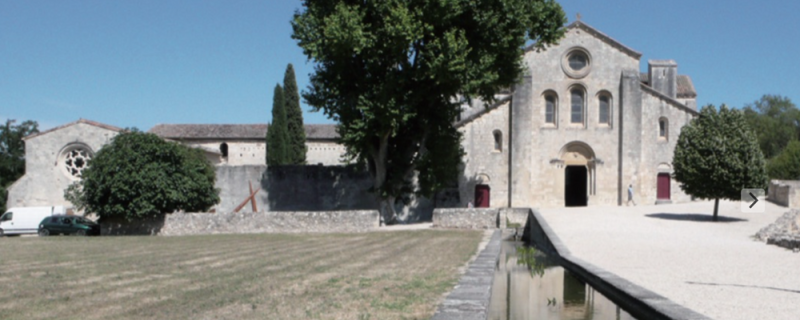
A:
{"x": 716, "y": 269}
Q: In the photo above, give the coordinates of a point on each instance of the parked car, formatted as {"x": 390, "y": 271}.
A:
{"x": 61, "y": 224}
{"x": 17, "y": 221}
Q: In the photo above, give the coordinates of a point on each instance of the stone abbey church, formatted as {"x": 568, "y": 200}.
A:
{"x": 581, "y": 126}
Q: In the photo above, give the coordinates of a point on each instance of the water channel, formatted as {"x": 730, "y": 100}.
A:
{"x": 528, "y": 285}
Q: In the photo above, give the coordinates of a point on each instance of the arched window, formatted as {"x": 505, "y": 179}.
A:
{"x": 576, "y": 109}
{"x": 550, "y": 108}
{"x": 604, "y": 109}
{"x": 663, "y": 128}
{"x": 223, "y": 148}
{"x": 498, "y": 141}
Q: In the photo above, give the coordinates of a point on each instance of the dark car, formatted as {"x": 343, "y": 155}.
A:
{"x": 61, "y": 224}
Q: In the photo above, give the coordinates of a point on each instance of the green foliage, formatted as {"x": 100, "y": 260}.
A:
{"x": 12, "y": 154}
{"x": 786, "y": 165}
{"x": 296, "y": 132}
{"x": 277, "y": 134}
{"x": 139, "y": 175}
{"x": 394, "y": 73}
{"x": 717, "y": 155}
{"x": 776, "y": 122}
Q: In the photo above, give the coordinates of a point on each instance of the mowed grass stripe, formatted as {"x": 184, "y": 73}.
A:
{"x": 129, "y": 280}
{"x": 252, "y": 277}
{"x": 233, "y": 281}
{"x": 224, "y": 275}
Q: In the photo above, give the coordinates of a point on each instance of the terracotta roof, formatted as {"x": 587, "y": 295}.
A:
{"x": 685, "y": 85}
{"x": 210, "y": 131}
{"x": 602, "y": 36}
{"x": 321, "y": 131}
{"x": 84, "y": 121}
{"x": 234, "y": 131}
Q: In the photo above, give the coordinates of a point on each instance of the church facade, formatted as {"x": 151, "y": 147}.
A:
{"x": 581, "y": 127}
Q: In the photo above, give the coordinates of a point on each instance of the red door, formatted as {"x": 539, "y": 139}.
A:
{"x": 481, "y": 196}
{"x": 663, "y": 186}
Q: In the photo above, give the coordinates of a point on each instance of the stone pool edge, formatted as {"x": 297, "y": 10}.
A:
{"x": 636, "y": 300}
{"x": 470, "y": 298}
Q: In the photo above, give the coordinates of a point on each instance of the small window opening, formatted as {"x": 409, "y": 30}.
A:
{"x": 223, "y": 148}
{"x": 604, "y": 109}
{"x": 663, "y": 128}
{"x": 550, "y": 109}
{"x": 498, "y": 141}
{"x": 577, "y": 106}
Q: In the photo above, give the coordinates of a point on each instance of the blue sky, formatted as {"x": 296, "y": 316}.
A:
{"x": 143, "y": 62}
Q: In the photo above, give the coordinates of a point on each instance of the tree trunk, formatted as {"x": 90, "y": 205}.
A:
{"x": 379, "y": 156}
{"x": 716, "y": 208}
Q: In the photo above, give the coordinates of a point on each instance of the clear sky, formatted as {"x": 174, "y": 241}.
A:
{"x": 137, "y": 63}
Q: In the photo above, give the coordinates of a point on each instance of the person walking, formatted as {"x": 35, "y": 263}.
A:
{"x": 630, "y": 195}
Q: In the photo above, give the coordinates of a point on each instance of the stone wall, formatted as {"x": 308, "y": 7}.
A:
{"x": 233, "y": 183}
{"x": 784, "y": 192}
{"x": 178, "y": 224}
{"x": 479, "y": 218}
{"x": 318, "y": 188}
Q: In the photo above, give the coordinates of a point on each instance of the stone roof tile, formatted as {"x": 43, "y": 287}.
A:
{"x": 234, "y": 131}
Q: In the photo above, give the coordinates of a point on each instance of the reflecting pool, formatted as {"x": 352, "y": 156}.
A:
{"x": 528, "y": 285}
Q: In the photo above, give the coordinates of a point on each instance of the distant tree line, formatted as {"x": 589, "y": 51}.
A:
{"x": 775, "y": 120}
{"x": 286, "y": 136}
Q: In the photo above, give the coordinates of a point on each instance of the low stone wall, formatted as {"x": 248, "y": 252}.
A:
{"x": 250, "y": 222}
{"x": 479, "y": 218}
{"x": 784, "y": 192}
{"x": 466, "y": 218}
{"x": 784, "y": 232}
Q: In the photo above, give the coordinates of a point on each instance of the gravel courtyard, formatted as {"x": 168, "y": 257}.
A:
{"x": 714, "y": 268}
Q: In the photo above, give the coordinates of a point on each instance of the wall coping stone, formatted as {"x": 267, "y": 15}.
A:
{"x": 636, "y": 300}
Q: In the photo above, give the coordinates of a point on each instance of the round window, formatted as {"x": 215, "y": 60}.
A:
{"x": 576, "y": 63}
{"x": 577, "y": 60}
{"x": 74, "y": 159}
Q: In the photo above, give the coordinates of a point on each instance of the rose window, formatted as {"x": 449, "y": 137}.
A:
{"x": 75, "y": 160}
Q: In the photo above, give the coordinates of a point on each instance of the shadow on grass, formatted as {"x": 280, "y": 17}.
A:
{"x": 693, "y": 217}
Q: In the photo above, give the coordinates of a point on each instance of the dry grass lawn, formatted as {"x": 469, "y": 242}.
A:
{"x": 379, "y": 275}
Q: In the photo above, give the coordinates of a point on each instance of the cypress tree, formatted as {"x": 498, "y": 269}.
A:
{"x": 296, "y": 134}
{"x": 276, "y": 132}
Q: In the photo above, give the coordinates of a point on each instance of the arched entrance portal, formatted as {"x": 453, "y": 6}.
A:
{"x": 579, "y": 173}
{"x": 575, "y": 182}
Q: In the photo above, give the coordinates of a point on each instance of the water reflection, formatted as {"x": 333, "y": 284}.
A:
{"x": 528, "y": 285}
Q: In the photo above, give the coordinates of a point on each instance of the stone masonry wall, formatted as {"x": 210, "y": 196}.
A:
{"x": 784, "y": 192}
{"x": 479, "y": 218}
{"x": 178, "y": 224}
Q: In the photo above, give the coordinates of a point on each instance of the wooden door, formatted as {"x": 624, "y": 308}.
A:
{"x": 663, "y": 186}
{"x": 482, "y": 193}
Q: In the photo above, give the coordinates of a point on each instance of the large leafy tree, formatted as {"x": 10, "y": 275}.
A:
{"x": 393, "y": 74}
{"x": 776, "y": 122}
{"x": 296, "y": 132}
{"x": 717, "y": 156}
{"x": 786, "y": 165}
{"x": 12, "y": 154}
{"x": 277, "y": 135}
{"x": 139, "y": 175}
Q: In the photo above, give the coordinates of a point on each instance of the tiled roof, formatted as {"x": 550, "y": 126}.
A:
{"x": 234, "y": 131}
{"x": 210, "y": 131}
{"x": 321, "y": 131}
{"x": 84, "y": 121}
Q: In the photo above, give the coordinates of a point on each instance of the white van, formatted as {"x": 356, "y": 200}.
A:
{"x": 26, "y": 220}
